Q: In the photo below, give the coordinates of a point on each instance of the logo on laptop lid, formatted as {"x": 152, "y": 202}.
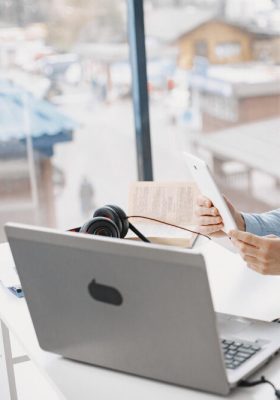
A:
{"x": 104, "y": 293}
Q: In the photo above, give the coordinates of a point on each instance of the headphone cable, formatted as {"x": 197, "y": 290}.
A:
{"x": 259, "y": 382}
{"x": 169, "y": 224}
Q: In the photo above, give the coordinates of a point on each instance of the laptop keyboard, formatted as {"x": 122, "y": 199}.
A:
{"x": 237, "y": 352}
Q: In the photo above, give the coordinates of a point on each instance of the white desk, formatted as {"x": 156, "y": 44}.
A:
{"x": 235, "y": 290}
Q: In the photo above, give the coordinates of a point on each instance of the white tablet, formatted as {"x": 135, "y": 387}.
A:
{"x": 208, "y": 187}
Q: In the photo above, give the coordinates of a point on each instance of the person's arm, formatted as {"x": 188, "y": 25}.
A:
{"x": 263, "y": 224}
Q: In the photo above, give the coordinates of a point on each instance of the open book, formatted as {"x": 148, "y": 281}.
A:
{"x": 169, "y": 202}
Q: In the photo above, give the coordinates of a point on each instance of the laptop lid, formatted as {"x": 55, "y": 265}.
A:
{"x": 139, "y": 308}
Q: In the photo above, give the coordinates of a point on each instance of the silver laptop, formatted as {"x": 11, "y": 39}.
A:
{"x": 134, "y": 307}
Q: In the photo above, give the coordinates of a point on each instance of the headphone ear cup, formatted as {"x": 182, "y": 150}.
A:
{"x": 101, "y": 226}
{"x": 116, "y": 214}
{"x": 122, "y": 218}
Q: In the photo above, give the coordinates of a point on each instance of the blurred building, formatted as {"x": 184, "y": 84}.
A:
{"x": 230, "y": 95}
{"x": 218, "y": 41}
{"x": 215, "y": 37}
{"x": 237, "y": 153}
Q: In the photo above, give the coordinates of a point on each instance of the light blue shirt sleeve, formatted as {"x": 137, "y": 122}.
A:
{"x": 263, "y": 224}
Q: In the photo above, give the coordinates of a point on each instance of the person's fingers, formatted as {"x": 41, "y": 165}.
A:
{"x": 246, "y": 249}
{"x": 251, "y": 260}
{"x": 209, "y": 220}
{"x": 254, "y": 267}
{"x": 204, "y": 201}
{"x": 261, "y": 268}
{"x": 208, "y": 229}
{"x": 199, "y": 211}
{"x": 246, "y": 237}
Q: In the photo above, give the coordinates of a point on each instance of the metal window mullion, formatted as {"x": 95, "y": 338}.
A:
{"x": 136, "y": 33}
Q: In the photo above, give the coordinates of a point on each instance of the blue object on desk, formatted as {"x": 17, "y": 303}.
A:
{"x": 17, "y": 291}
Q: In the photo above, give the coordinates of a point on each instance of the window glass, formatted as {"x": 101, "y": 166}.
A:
{"x": 66, "y": 120}
{"x": 219, "y": 93}
{"x": 227, "y": 49}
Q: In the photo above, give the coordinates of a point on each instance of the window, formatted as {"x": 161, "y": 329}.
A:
{"x": 67, "y": 137}
{"x": 225, "y": 109}
{"x": 227, "y": 50}
{"x": 67, "y": 141}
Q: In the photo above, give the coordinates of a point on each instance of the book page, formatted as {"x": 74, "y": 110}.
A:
{"x": 169, "y": 202}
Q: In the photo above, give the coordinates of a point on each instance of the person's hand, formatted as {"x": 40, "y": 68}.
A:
{"x": 209, "y": 219}
{"x": 262, "y": 254}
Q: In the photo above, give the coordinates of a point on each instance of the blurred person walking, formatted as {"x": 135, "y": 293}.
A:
{"x": 86, "y": 193}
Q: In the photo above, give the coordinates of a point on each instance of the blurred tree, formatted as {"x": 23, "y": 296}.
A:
{"x": 23, "y": 12}
{"x": 69, "y": 21}
{"x": 74, "y": 21}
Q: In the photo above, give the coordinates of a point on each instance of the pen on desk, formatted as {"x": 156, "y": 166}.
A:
{"x": 17, "y": 291}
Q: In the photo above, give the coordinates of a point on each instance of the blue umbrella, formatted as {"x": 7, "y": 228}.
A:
{"x": 21, "y": 113}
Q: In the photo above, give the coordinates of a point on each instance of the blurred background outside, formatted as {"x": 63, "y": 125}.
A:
{"x": 67, "y": 138}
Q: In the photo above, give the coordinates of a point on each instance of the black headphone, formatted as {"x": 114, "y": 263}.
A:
{"x": 110, "y": 221}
